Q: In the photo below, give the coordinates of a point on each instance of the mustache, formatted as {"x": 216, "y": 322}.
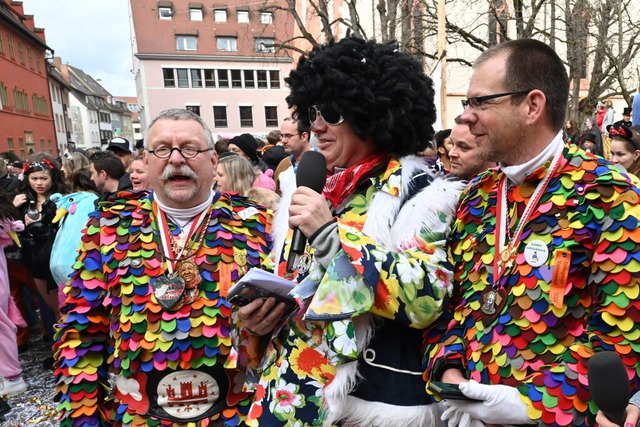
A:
{"x": 183, "y": 170}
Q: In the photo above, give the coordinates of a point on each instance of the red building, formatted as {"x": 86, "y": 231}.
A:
{"x": 26, "y": 120}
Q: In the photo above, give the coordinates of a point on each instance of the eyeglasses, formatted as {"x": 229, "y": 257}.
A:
{"x": 289, "y": 135}
{"x": 476, "y": 101}
{"x": 327, "y": 113}
{"x": 186, "y": 152}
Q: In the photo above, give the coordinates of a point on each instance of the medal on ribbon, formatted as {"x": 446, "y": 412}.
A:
{"x": 168, "y": 290}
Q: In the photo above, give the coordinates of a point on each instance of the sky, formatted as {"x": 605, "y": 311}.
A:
{"x": 92, "y": 35}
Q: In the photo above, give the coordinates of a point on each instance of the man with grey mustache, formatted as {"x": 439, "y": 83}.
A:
{"x": 145, "y": 332}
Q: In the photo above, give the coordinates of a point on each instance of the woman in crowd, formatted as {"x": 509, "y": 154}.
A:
{"x": 374, "y": 274}
{"x": 246, "y": 146}
{"x": 139, "y": 178}
{"x": 235, "y": 175}
{"x": 41, "y": 179}
{"x": 625, "y": 149}
{"x": 572, "y": 132}
{"x": 77, "y": 172}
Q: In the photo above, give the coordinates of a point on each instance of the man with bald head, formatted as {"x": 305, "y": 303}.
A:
{"x": 147, "y": 302}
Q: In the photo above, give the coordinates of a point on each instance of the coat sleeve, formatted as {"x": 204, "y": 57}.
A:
{"x": 82, "y": 340}
{"x": 405, "y": 277}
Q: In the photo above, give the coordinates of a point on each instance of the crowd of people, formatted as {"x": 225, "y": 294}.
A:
{"x": 500, "y": 263}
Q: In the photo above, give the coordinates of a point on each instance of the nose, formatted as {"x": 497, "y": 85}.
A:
{"x": 318, "y": 123}
{"x": 467, "y": 116}
{"x": 176, "y": 157}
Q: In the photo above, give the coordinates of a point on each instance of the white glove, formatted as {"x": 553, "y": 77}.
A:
{"x": 495, "y": 404}
{"x": 455, "y": 417}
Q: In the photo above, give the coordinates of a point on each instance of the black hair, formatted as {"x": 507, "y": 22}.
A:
{"x": 441, "y": 136}
{"x": 530, "y": 65}
{"x": 382, "y": 93}
{"x": 52, "y": 169}
{"x": 108, "y": 162}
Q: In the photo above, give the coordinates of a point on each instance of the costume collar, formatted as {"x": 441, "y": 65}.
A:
{"x": 517, "y": 173}
{"x": 390, "y": 181}
{"x": 184, "y": 215}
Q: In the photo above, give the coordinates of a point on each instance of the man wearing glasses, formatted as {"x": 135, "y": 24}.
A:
{"x": 295, "y": 140}
{"x": 145, "y": 335}
{"x": 545, "y": 252}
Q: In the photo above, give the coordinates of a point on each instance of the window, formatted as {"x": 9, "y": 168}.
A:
{"x": 1, "y": 43}
{"x": 274, "y": 78}
{"x": 220, "y": 15}
{"x": 12, "y": 53}
{"x": 30, "y": 56}
{"x": 246, "y": 117}
{"x": 209, "y": 78}
{"x": 10, "y": 144}
{"x": 39, "y": 63}
{"x": 41, "y": 144}
{"x": 23, "y": 153}
{"x": 195, "y": 14}
{"x": 243, "y": 17}
{"x": 223, "y": 78}
{"x": 4, "y": 95}
{"x": 271, "y": 116}
{"x": 262, "y": 79}
{"x": 196, "y": 78}
{"x": 266, "y": 17}
{"x": 165, "y": 13}
{"x": 186, "y": 43}
{"x": 220, "y": 117}
{"x": 183, "y": 77}
{"x": 194, "y": 109}
{"x": 249, "y": 80}
{"x": 169, "y": 77}
{"x": 21, "y": 52}
{"x": 227, "y": 44}
{"x": 265, "y": 45}
{"x": 236, "y": 78}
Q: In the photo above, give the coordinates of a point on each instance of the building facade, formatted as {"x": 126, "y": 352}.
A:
{"x": 214, "y": 59}
{"x": 26, "y": 117}
{"x": 59, "y": 91}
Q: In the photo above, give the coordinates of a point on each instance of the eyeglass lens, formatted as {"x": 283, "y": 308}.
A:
{"x": 328, "y": 113}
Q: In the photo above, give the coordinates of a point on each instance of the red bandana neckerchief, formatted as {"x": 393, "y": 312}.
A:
{"x": 341, "y": 184}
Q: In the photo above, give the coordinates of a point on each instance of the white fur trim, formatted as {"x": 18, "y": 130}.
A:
{"x": 280, "y": 226}
{"x": 424, "y": 211}
{"x": 361, "y": 413}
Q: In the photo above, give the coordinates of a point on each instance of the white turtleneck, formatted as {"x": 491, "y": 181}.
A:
{"x": 517, "y": 173}
{"x": 183, "y": 217}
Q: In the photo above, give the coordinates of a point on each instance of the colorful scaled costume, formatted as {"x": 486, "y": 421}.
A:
{"x": 353, "y": 353}
{"x": 169, "y": 362}
{"x": 568, "y": 288}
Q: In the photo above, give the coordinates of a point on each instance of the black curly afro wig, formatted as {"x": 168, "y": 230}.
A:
{"x": 381, "y": 92}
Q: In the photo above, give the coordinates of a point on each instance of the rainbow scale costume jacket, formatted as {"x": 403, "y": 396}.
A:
{"x": 114, "y": 326}
{"x": 345, "y": 356}
{"x": 591, "y": 211}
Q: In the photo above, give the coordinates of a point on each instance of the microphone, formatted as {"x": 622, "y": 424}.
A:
{"x": 609, "y": 385}
{"x": 312, "y": 173}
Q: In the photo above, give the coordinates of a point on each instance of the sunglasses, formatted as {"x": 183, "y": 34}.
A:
{"x": 329, "y": 114}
